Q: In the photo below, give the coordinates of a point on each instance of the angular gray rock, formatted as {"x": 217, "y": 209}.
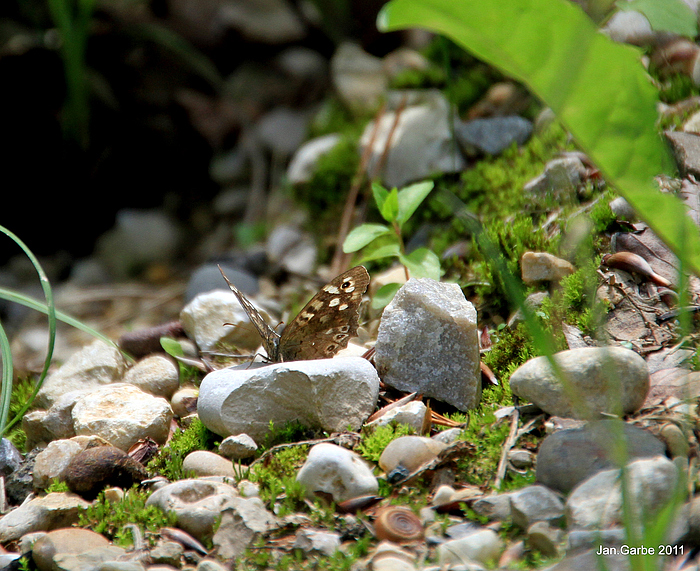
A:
{"x": 428, "y": 343}
{"x": 596, "y": 503}
{"x": 242, "y": 521}
{"x": 569, "y": 456}
{"x": 599, "y": 380}
{"x": 492, "y": 135}
{"x": 535, "y": 503}
{"x": 331, "y": 394}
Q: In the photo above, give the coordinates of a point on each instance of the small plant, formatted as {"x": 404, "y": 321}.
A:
{"x": 169, "y": 460}
{"x": 385, "y": 241}
{"x": 277, "y": 476}
{"x": 110, "y": 518}
{"x": 173, "y": 348}
{"x": 376, "y": 440}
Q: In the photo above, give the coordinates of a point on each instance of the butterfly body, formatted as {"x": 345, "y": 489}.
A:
{"x": 322, "y": 327}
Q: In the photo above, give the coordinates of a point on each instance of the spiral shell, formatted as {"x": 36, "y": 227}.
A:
{"x": 398, "y": 524}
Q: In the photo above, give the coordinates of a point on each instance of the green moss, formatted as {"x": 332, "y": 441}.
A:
{"x": 21, "y": 393}
{"x": 109, "y": 518}
{"x": 292, "y": 431}
{"x": 487, "y": 435}
{"x": 276, "y": 477}
{"x": 677, "y": 87}
{"x": 168, "y": 462}
{"x": 375, "y": 440}
{"x": 494, "y": 186}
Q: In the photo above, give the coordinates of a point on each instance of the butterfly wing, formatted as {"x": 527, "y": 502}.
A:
{"x": 269, "y": 336}
{"x": 325, "y": 324}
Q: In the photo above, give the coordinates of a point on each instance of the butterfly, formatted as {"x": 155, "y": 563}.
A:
{"x": 322, "y": 328}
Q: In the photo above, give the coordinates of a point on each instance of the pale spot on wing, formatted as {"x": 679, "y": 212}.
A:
{"x": 342, "y": 307}
{"x": 331, "y": 289}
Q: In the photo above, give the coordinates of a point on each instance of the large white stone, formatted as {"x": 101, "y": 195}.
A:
{"x": 331, "y": 394}
{"x": 428, "y": 343}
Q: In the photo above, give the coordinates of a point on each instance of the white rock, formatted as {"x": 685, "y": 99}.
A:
{"x": 315, "y": 540}
{"x": 122, "y": 414}
{"x": 51, "y": 511}
{"x": 204, "y": 463}
{"x": 331, "y": 394}
{"x": 411, "y": 414}
{"x": 303, "y": 163}
{"x": 542, "y": 266}
{"x": 428, "y": 343}
{"x": 52, "y": 460}
{"x": 138, "y": 238}
{"x": 204, "y": 317}
{"x": 156, "y": 374}
{"x": 238, "y": 447}
{"x": 95, "y": 365}
{"x": 184, "y": 401}
{"x": 336, "y": 471}
{"x": 480, "y": 547}
{"x": 409, "y": 453}
{"x": 421, "y": 144}
{"x": 599, "y": 380}
{"x": 282, "y": 130}
{"x": 357, "y": 76}
{"x": 196, "y": 503}
{"x": 293, "y": 249}
{"x": 596, "y": 503}
{"x": 242, "y": 521}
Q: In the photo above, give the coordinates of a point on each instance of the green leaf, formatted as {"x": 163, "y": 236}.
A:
{"x": 384, "y": 251}
{"x": 422, "y": 263}
{"x": 384, "y": 295}
{"x": 359, "y": 237}
{"x": 597, "y": 88}
{"x": 171, "y": 346}
{"x": 390, "y": 208}
{"x": 380, "y": 194}
{"x": 410, "y": 199}
{"x": 666, "y": 15}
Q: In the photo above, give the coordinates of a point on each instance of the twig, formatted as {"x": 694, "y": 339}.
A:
{"x": 507, "y": 445}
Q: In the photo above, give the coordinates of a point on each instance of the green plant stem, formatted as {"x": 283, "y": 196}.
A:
{"x": 50, "y": 310}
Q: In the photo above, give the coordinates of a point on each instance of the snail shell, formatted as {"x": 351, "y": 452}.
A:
{"x": 398, "y": 524}
{"x": 630, "y": 262}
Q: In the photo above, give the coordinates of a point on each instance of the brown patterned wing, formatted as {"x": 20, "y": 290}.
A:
{"x": 325, "y": 324}
{"x": 270, "y": 337}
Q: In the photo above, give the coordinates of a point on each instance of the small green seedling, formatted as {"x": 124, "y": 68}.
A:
{"x": 385, "y": 241}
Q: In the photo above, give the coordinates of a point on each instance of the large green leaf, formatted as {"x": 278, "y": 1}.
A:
{"x": 597, "y": 88}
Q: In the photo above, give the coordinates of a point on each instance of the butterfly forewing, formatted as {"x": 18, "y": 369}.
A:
{"x": 269, "y": 336}
{"x": 323, "y": 327}
{"x": 325, "y": 324}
